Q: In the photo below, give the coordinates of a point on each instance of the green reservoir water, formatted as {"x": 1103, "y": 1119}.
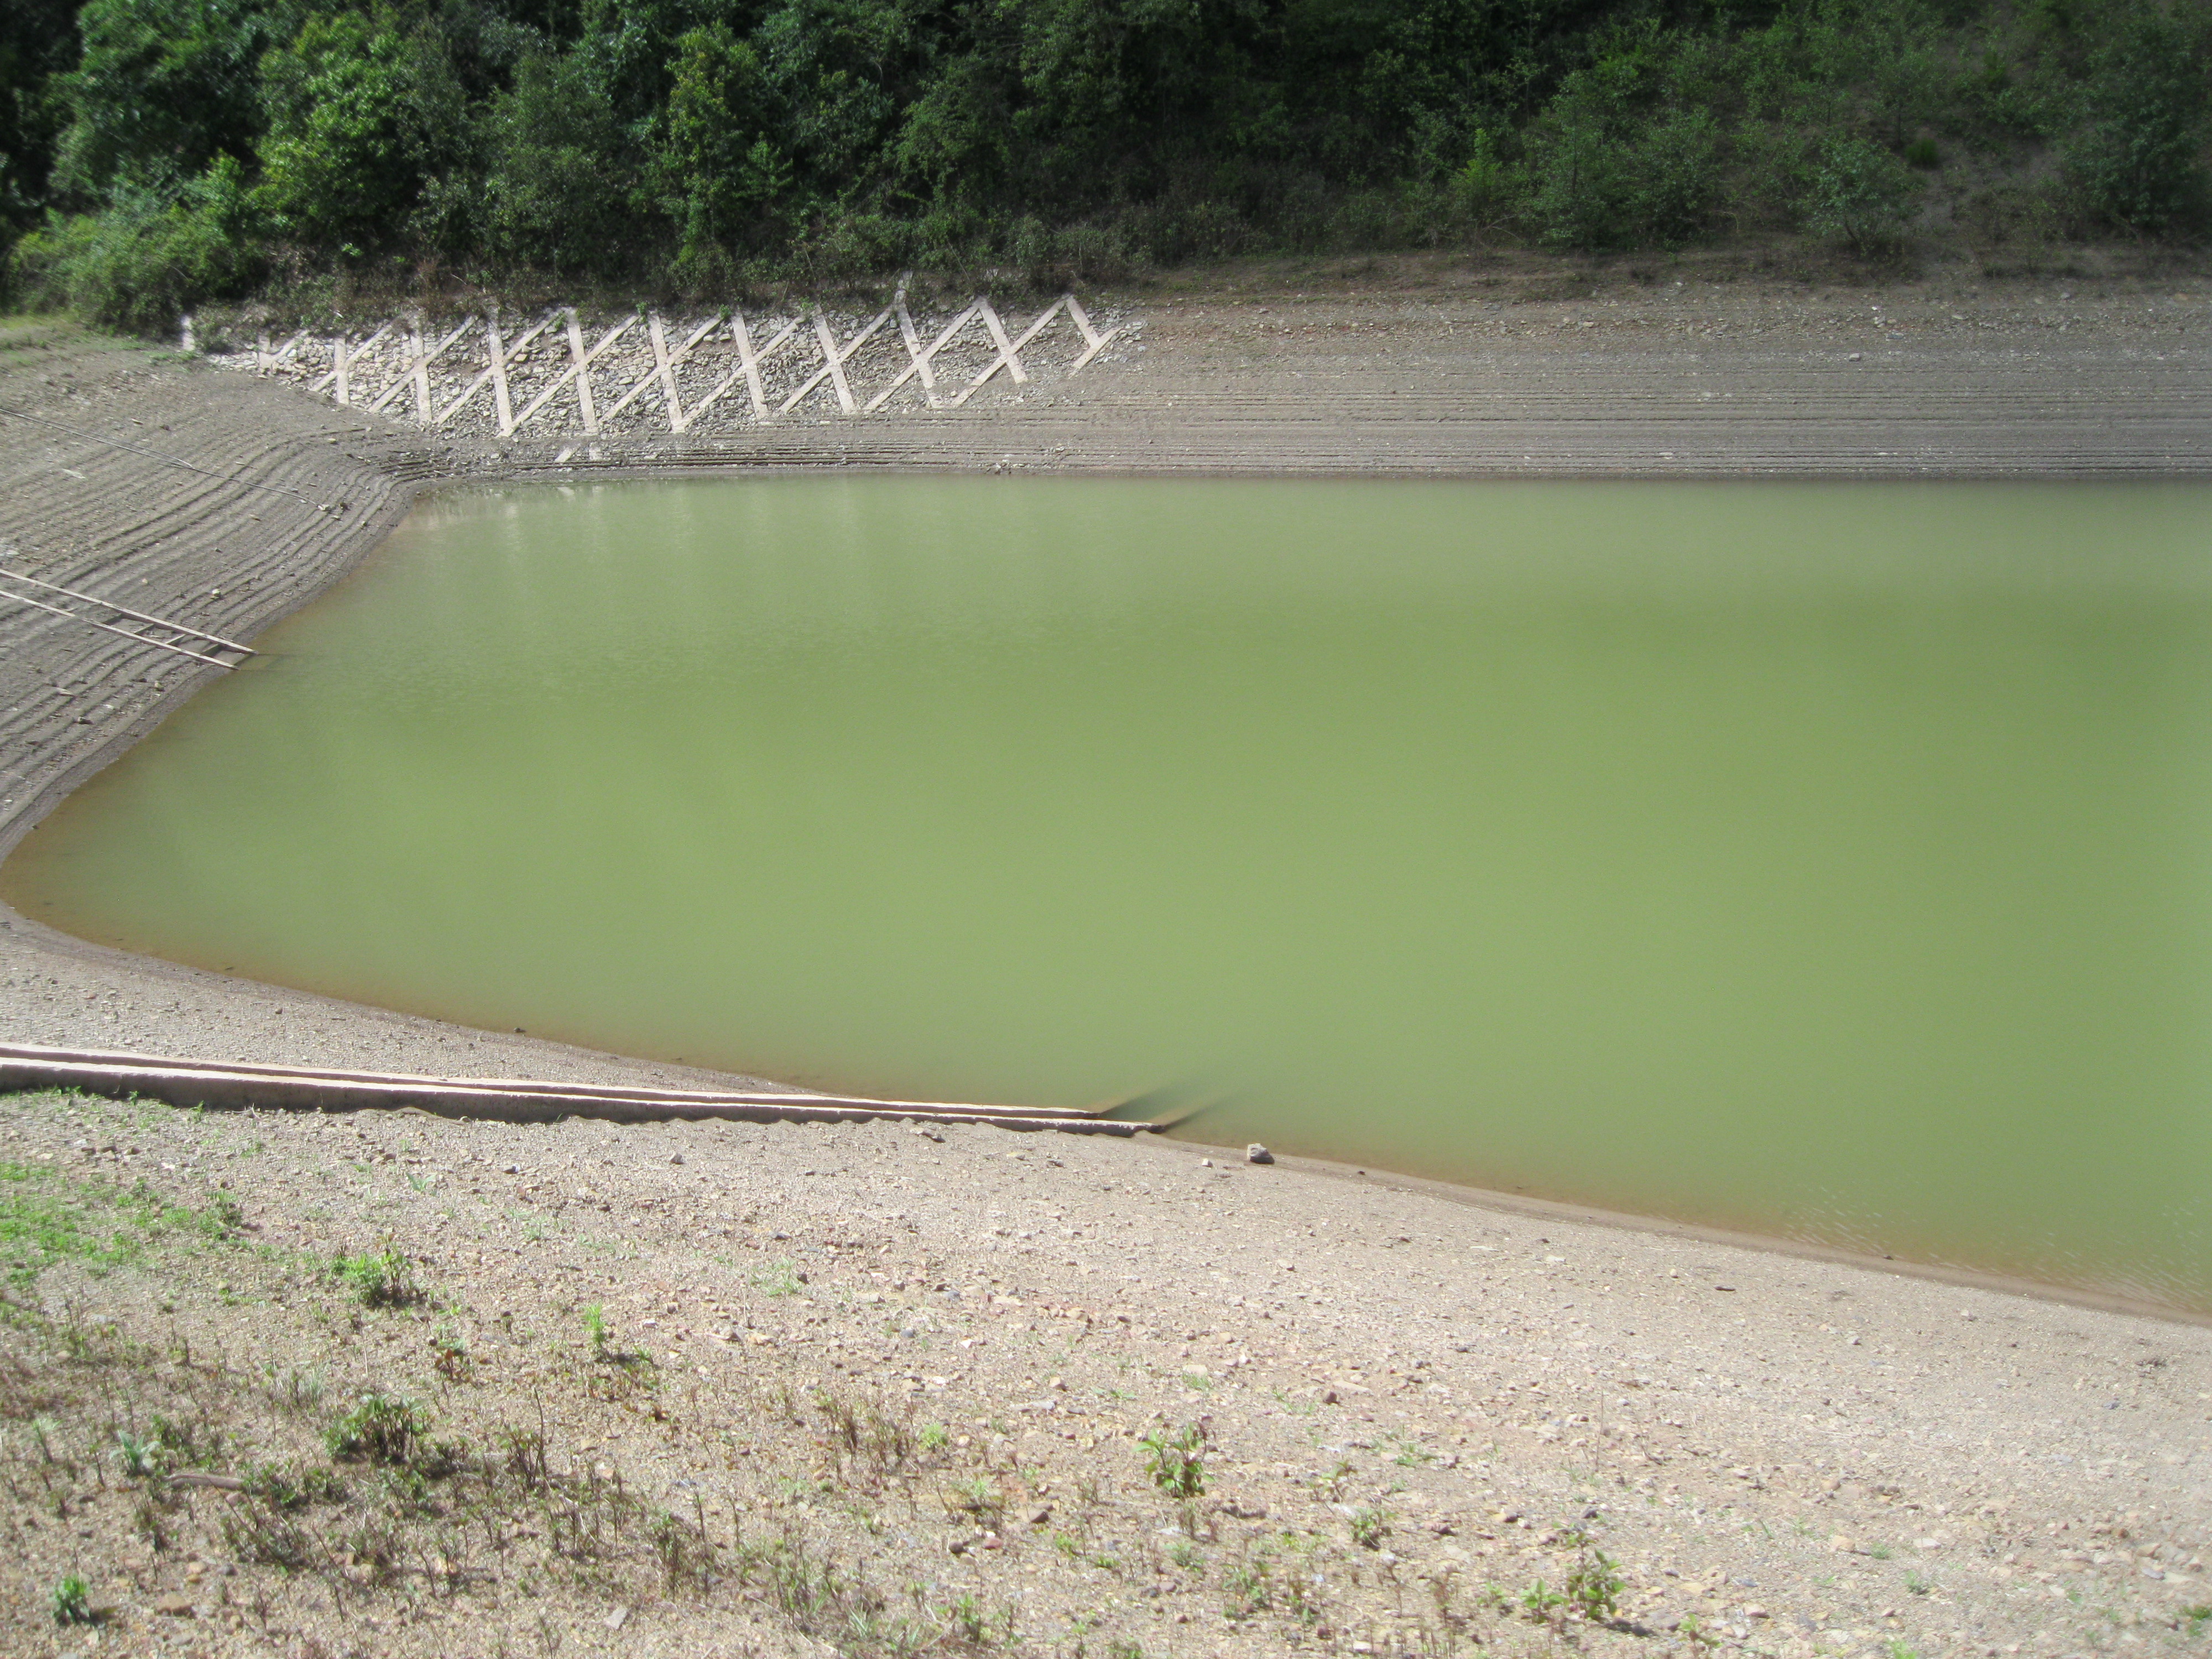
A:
{"x": 1830, "y": 862}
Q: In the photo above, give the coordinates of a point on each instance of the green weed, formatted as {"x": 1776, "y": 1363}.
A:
{"x": 263, "y": 1534}
{"x": 862, "y": 1434}
{"x": 777, "y": 1278}
{"x": 192, "y": 1446}
{"x": 379, "y": 1279}
{"x": 687, "y": 1559}
{"x": 1176, "y": 1460}
{"x": 1540, "y": 1600}
{"x": 977, "y": 1498}
{"x": 968, "y": 1620}
{"x": 1593, "y": 1588}
{"x": 1370, "y": 1526}
{"x": 300, "y": 1393}
{"x": 141, "y": 1459}
{"x": 46, "y": 1217}
{"x": 381, "y": 1429}
{"x": 1251, "y": 1587}
{"x": 284, "y": 1486}
{"x": 71, "y": 1602}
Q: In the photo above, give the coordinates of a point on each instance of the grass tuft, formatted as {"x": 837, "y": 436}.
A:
{"x": 381, "y": 1429}
{"x": 71, "y": 1603}
{"x": 380, "y": 1279}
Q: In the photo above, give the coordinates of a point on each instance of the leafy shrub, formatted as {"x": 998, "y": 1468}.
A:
{"x": 2135, "y": 158}
{"x": 1676, "y": 163}
{"x": 2007, "y": 213}
{"x": 152, "y": 254}
{"x": 1617, "y": 162}
{"x": 1594, "y": 1587}
{"x": 380, "y": 1279}
{"x": 1096, "y": 253}
{"x": 1491, "y": 189}
{"x": 381, "y": 1429}
{"x": 1861, "y": 193}
{"x": 1176, "y": 1460}
{"x": 1583, "y": 182}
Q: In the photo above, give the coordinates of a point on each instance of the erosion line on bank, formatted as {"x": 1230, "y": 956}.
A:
{"x": 156, "y": 455}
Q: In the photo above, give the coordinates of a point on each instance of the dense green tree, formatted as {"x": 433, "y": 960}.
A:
{"x": 162, "y": 88}
{"x": 176, "y": 147}
{"x": 2139, "y": 154}
{"x": 38, "y": 42}
{"x": 718, "y": 175}
{"x": 360, "y": 116}
{"x": 558, "y": 188}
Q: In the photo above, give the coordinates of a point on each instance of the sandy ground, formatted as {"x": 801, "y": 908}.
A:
{"x": 1728, "y": 1436}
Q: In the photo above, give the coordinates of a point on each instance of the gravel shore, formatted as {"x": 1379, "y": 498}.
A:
{"x": 1795, "y": 1455}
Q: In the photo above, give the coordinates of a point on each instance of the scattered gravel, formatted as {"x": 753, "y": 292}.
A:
{"x": 1405, "y": 1403}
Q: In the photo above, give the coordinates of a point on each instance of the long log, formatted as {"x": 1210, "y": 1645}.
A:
{"x": 232, "y": 1087}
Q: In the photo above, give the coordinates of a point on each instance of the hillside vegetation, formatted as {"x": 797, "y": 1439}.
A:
{"x": 154, "y": 153}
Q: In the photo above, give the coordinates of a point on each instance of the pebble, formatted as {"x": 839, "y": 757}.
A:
{"x": 1255, "y": 1153}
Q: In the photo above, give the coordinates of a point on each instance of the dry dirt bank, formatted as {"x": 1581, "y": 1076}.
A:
{"x": 1728, "y": 1436}
{"x": 867, "y": 1387}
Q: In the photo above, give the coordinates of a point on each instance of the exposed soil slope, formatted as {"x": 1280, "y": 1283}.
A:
{"x": 922, "y": 1368}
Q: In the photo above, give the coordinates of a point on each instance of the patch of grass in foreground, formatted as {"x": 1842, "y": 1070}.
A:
{"x": 47, "y": 1218}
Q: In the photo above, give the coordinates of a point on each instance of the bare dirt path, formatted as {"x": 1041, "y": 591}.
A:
{"x": 1798, "y": 1457}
